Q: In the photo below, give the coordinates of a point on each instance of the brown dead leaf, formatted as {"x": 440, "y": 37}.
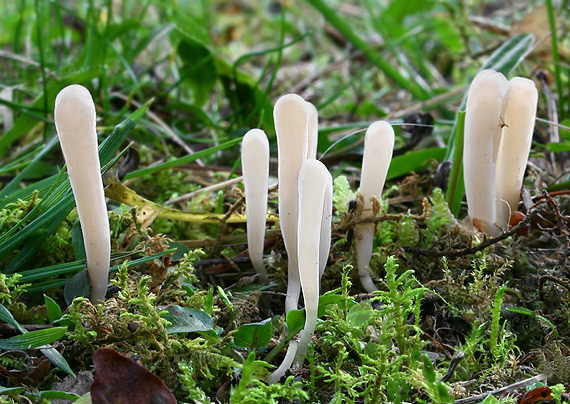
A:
{"x": 120, "y": 380}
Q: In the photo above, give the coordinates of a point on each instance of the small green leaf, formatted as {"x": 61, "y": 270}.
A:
{"x": 295, "y": 320}
{"x": 77, "y": 241}
{"x": 57, "y": 394}
{"x": 78, "y": 285}
{"x": 326, "y": 301}
{"x": 184, "y": 320}
{"x": 254, "y": 335}
{"x": 428, "y": 370}
{"x": 33, "y": 339}
{"x": 490, "y": 399}
{"x": 359, "y": 315}
{"x": 84, "y": 399}
{"x": 53, "y": 310}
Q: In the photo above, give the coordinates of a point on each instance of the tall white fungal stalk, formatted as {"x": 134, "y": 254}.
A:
{"x": 484, "y": 119}
{"x": 499, "y": 122}
{"x": 520, "y": 116}
{"x": 75, "y": 125}
{"x": 313, "y": 242}
{"x": 378, "y": 149}
{"x": 255, "y": 168}
{"x": 295, "y": 123}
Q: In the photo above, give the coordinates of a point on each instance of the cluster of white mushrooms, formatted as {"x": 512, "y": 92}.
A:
{"x": 305, "y": 206}
{"x": 499, "y": 118}
{"x": 499, "y": 123}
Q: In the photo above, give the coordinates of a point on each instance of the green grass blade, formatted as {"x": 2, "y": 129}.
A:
{"x": 455, "y": 192}
{"x": 50, "y": 353}
{"x": 414, "y": 161}
{"x": 415, "y": 88}
{"x": 7, "y": 317}
{"x": 73, "y": 267}
{"x": 24, "y": 124}
{"x": 53, "y": 210}
{"x": 556, "y": 58}
{"x": 33, "y": 339}
{"x": 13, "y": 185}
{"x": 183, "y": 160}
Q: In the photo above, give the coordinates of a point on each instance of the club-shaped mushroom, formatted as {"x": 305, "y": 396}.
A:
{"x": 499, "y": 122}
{"x": 293, "y": 117}
{"x": 484, "y": 120}
{"x": 313, "y": 241}
{"x": 520, "y": 115}
{"x": 255, "y": 168}
{"x": 75, "y": 124}
{"x": 378, "y": 149}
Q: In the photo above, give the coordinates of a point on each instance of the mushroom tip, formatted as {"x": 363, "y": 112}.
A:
{"x": 254, "y": 135}
{"x": 524, "y": 84}
{"x": 73, "y": 91}
{"x": 381, "y": 127}
{"x": 289, "y": 98}
{"x": 74, "y": 96}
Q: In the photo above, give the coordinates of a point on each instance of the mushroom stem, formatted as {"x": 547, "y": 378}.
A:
{"x": 255, "y": 167}
{"x": 285, "y": 365}
{"x": 315, "y": 191}
{"x": 520, "y": 115}
{"x": 484, "y": 120}
{"x": 293, "y": 118}
{"x": 378, "y": 148}
{"x": 75, "y": 124}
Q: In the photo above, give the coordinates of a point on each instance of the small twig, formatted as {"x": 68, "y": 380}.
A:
{"x": 354, "y": 220}
{"x": 506, "y": 389}
{"x": 486, "y": 243}
{"x": 458, "y": 357}
{"x": 223, "y": 223}
{"x": 211, "y": 188}
{"x": 553, "y": 279}
{"x": 218, "y": 261}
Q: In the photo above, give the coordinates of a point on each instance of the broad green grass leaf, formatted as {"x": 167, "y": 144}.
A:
{"x": 558, "y": 147}
{"x": 414, "y": 161}
{"x": 33, "y": 339}
{"x": 33, "y": 275}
